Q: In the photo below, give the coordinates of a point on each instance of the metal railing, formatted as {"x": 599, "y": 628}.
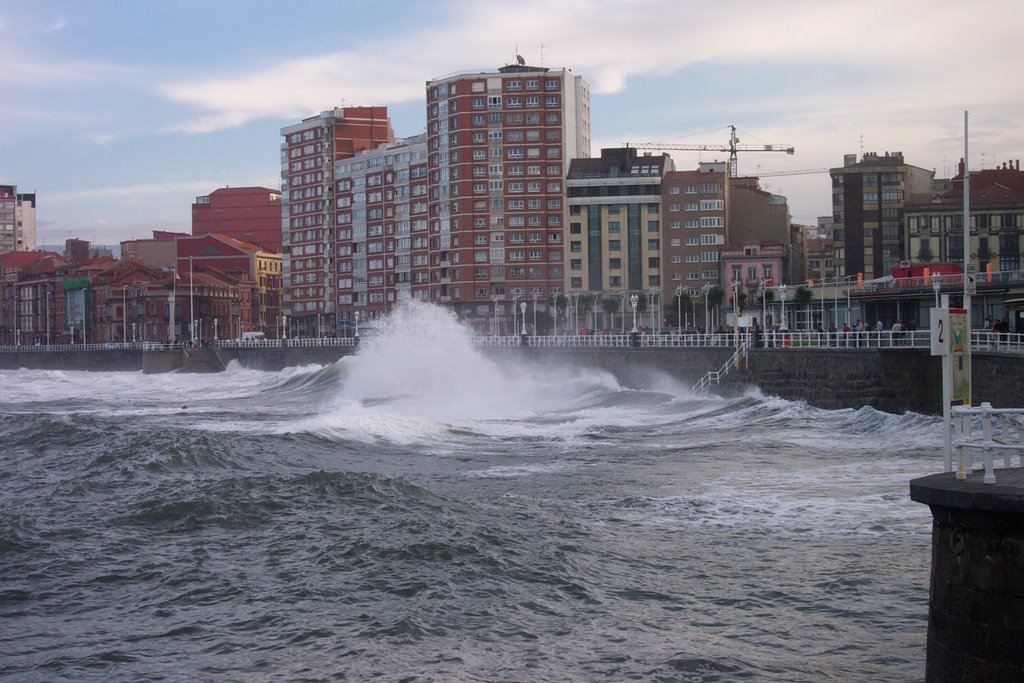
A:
{"x": 715, "y": 376}
{"x": 1001, "y": 430}
{"x": 981, "y": 341}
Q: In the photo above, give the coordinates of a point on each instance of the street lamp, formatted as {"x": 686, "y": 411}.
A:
{"x": 522, "y": 309}
{"x": 704, "y": 290}
{"x": 679, "y": 308}
{"x": 215, "y": 329}
{"x": 633, "y": 300}
{"x": 124, "y": 314}
{"x": 515, "y": 298}
{"x": 782, "y": 295}
{"x": 764, "y": 304}
{"x": 936, "y": 285}
{"x": 535, "y": 313}
{"x": 356, "y": 316}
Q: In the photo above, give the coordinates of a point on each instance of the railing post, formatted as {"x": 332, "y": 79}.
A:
{"x": 986, "y": 426}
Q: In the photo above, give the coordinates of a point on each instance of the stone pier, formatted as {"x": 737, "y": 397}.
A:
{"x": 976, "y": 616}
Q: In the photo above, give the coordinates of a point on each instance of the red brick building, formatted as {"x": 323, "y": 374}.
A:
{"x": 309, "y": 234}
{"x": 250, "y": 214}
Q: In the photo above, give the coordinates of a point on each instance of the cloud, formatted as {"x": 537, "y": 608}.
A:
{"x": 133, "y": 192}
{"x": 611, "y": 43}
{"x": 57, "y": 25}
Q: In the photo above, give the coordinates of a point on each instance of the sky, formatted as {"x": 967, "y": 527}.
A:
{"x": 119, "y": 113}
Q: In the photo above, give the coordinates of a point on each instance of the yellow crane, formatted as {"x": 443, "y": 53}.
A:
{"x": 732, "y": 148}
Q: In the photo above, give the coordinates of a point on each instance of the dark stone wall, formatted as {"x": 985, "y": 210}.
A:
{"x": 97, "y": 361}
{"x": 892, "y": 380}
{"x": 976, "y": 611}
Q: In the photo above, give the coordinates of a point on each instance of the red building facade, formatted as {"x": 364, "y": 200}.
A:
{"x": 250, "y": 214}
{"x": 309, "y": 225}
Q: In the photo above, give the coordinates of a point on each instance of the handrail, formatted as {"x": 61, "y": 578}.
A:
{"x": 981, "y": 341}
{"x": 715, "y": 376}
{"x": 1002, "y": 429}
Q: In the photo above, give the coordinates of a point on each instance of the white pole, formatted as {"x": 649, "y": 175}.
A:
{"x": 124, "y": 314}
{"x": 967, "y": 256}
{"x": 191, "y": 299}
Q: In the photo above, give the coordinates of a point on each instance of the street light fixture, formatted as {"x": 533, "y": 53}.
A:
{"x": 782, "y": 295}
{"x": 356, "y": 316}
{"x": 679, "y": 308}
{"x": 522, "y": 309}
{"x": 704, "y": 290}
{"x": 633, "y": 300}
{"x": 936, "y": 285}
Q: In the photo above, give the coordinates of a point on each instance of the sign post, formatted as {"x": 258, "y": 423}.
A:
{"x": 951, "y": 339}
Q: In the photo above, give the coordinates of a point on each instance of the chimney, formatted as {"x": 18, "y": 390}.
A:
{"x": 960, "y": 168}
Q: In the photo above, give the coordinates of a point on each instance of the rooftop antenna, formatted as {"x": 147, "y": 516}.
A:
{"x": 542, "y": 55}
{"x": 862, "y": 145}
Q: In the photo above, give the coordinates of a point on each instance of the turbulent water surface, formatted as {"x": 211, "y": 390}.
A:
{"x": 418, "y": 512}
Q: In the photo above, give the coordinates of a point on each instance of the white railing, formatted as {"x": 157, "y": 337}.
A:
{"x": 715, "y": 376}
{"x": 981, "y": 341}
{"x": 1001, "y": 430}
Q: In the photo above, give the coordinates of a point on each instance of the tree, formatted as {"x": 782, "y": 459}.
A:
{"x": 803, "y": 297}
{"x": 610, "y": 305}
{"x": 715, "y": 297}
{"x": 682, "y": 302}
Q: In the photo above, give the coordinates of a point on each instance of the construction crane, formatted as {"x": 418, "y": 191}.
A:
{"x": 732, "y": 148}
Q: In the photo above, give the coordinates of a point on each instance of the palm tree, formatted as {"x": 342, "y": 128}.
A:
{"x": 558, "y": 305}
{"x": 715, "y": 297}
{"x": 682, "y": 301}
{"x": 610, "y": 305}
{"x": 803, "y": 297}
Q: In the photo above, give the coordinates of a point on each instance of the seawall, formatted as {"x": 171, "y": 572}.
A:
{"x": 891, "y": 380}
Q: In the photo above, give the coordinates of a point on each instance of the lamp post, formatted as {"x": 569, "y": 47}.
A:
{"x": 124, "y": 314}
{"x": 133, "y": 332}
{"x": 535, "y": 296}
{"x": 764, "y": 304}
{"x": 515, "y": 298}
{"x": 704, "y": 290}
{"x": 522, "y": 309}
{"x": 633, "y": 300}
{"x": 356, "y": 317}
{"x": 679, "y": 308}
{"x": 782, "y": 295}
{"x": 215, "y": 337}
{"x": 936, "y": 285}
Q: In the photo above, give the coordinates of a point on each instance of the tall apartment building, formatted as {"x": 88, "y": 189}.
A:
{"x": 249, "y": 214}
{"x": 935, "y": 224}
{"x": 382, "y": 253}
{"x": 615, "y": 229}
{"x": 17, "y": 220}
{"x": 499, "y": 143}
{"x": 696, "y": 215}
{"x": 308, "y": 216}
{"x": 868, "y": 200}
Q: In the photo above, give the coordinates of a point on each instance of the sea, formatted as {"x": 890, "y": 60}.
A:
{"x": 424, "y": 511}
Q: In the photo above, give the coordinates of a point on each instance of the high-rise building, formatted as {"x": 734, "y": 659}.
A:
{"x": 249, "y": 214}
{"x": 382, "y": 253}
{"x": 868, "y": 199}
{"x": 309, "y": 151}
{"x": 615, "y": 224}
{"x": 17, "y": 220}
{"x": 696, "y": 213}
{"x": 499, "y": 143}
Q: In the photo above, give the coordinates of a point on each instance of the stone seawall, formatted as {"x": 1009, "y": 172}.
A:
{"x": 892, "y": 380}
